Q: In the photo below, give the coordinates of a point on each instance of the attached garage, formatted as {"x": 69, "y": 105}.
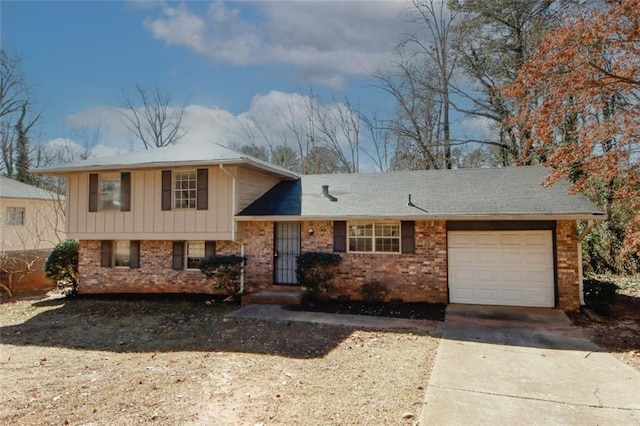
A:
{"x": 501, "y": 267}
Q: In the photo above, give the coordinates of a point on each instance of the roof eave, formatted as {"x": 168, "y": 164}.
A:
{"x": 58, "y": 171}
{"x": 461, "y": 217}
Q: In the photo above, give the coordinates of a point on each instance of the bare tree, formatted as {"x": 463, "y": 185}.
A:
{"x": 17, "y": 119}
{"x": 433, "y": 43}
{"x": 150, "y": 117}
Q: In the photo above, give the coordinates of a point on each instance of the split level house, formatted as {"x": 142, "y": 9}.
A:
{"x": 32, "y": 222}
{"x": 477, "y": 236}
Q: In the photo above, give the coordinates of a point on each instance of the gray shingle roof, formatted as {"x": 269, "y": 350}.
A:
{"x": 10, "y": 188}
{"x": 508, "y": 193}
{"x": 169, "y": 156}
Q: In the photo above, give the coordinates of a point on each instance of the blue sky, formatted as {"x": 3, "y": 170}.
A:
{"x": 228, "y": 59}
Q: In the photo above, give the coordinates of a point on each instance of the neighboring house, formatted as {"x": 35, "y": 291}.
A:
{"x": 31, "y": 224}
{"x": 485, "y": 236}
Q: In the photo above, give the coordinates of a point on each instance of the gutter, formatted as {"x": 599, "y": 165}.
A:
{"x": 233, "y": 229}
{"x": 581, "y": 237}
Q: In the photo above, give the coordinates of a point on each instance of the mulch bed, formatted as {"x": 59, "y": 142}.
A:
{"x": 409, "y": 310}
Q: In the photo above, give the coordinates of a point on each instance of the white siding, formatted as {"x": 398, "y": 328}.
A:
{"x": 146, "y": 220}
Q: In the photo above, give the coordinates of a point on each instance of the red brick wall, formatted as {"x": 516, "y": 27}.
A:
{"x": 567, "y": 264}
{"x": 155, "y": 274}
{"x": 412, "y": 277}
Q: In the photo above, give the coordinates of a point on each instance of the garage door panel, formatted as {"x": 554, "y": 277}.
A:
{"x": 501, "y": 267}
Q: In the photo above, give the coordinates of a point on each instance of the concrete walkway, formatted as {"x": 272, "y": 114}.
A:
{"x": 279, "y": 313}
{"x": 515, "y": 366}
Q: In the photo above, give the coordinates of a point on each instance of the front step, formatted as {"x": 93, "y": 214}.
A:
{"x": 273, "y": 297}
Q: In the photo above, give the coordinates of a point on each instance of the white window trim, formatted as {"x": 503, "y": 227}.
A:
{"x": 186, "y": 255}
{"x": 116, "y": 192}
{"x": 174, "y": 190}
{"x": 373, "y": 236}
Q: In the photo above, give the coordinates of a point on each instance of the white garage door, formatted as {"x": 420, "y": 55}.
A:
{"x": 501, "y": 268}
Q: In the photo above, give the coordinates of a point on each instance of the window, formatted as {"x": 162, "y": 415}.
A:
{"x": 122, "y": 253}
{"x": 374, "y": 237}
{"x": 15, "y": 216}
{"x": 184, "y": 189}
{"x": 195, "y": 254}
{"x": 110, "y": 191}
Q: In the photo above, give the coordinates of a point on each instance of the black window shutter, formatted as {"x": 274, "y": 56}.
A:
{"x": 203, "y": 189}
{"x": 166, "y": 190}
{"x": 407, "y": 232}
{"x": 339, "y": 236}
{"x": 178, "y": 255}
{"x": 105, "y": 254}
{"x": 125, "y": 191}
{"x": 134, "y": 254}
{"x": 209, "y": 248}
{"x": 93, "y": 192}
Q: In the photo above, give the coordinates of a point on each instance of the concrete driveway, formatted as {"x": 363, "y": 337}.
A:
{"x": 525, "y": 366}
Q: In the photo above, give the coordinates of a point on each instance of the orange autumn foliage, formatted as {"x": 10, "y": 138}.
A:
{"x": 579, "y": 104}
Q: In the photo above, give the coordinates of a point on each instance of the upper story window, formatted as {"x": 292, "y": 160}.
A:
{"x": 109, "y": 191}
{"x": 374, "y": 237}
{"x": 184, "y": 189}
{"x": 15, "y": 216}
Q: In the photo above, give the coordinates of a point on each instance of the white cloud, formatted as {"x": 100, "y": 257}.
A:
{"x": 324, "y": 41}
{"x": 479, "y": 128}
{"x": 270, "y": 116}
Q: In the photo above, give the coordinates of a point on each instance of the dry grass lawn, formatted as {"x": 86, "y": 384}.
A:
{"x": 99, "y": 361}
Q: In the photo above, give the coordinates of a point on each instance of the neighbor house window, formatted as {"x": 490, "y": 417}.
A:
{"x": 374, "y": 237}
{"x": 15, "y": 216}
{"x": 110, "y": 191}
{"x": 184, "y": 189}
{"x": 195, "y": 254}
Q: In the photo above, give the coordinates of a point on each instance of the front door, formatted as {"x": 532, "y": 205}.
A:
{"x": 287, "y": 248}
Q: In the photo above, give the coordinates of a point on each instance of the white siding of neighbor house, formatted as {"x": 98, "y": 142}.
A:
{"x": 43, "y": 225}
{"x": 146, "y": 220}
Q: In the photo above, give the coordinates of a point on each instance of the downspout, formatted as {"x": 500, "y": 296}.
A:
{"x": 581, "y": 237}
{"x": 233, "y": 228}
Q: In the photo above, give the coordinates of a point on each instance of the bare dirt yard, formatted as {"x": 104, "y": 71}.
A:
{"x": 121, "y": 361}
{"x": 619, "y": 334}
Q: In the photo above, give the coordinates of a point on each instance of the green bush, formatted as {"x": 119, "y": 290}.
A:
{"x": 315, "y": 271}
{"x": 374, "y": 291}
{"x": 226, "y": 270}
{"x": 62, "y": 265}
{"x": 599, "y": 295}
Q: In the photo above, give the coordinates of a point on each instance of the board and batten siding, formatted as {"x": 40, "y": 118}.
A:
{"x": 146, "y": 220}
{"x": 251, "y": 185}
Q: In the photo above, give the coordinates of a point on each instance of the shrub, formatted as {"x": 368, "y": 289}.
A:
{"x": 226, "y": 270}
{"x": 599, "y": 295}
{"x": 315, "y": 271}
{"x": 374, "y": 291}
{"x": 62, "y": 265}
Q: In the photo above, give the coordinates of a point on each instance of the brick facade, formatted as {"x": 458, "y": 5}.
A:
{"x": 155, "y": 274}
{"x": 567, "y": 265}
{"x": 421, "y": 276}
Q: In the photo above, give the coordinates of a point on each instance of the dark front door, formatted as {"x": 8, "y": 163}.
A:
{"x": 287, "y": 248}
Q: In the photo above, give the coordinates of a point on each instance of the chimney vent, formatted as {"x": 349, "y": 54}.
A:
{"x": 325, "y": 193}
